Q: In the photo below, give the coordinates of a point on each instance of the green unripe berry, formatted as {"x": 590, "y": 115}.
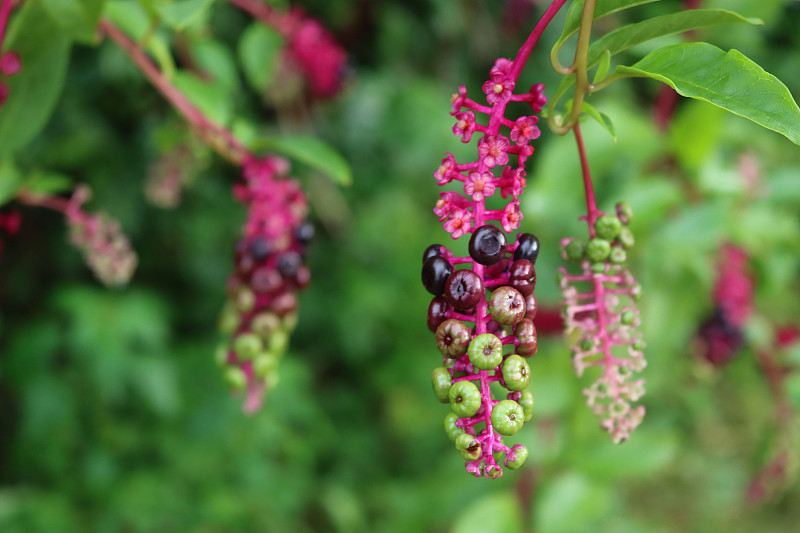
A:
{"x": 507, "y": 305}
{"x": 452, "y": 338}
{"x": 493, "y": 472}
{"x": 625, "y": 212}
{"x": 450, "y": 427}
{"x": 507, "y": 417}
{"x": 290, "y": 322}
{"x": 485, "y": 351}
{"x": 516, "y": 373}
{"x": 607, "y": 227}
{"x": 617, "y": 255}
{"x": 598, "y": 268}
{"x": 625, "y": 238}
{"x": 627, "y": 317}
{"x": 264, "y": 364}
{"x": 586, "y": 344}
{"x": 441, "y": 380}
{"x": 278, "y": 342}
{"x": 519, "y": 455}
{"x": 526, "y": 401}
{"x": 228, "y": 319}
{"x": 247, "y": 345}
{"x": 244, "y": 300}
{"x": 468, "y": 447}
{"x": 235, "y": 378}
{"x": 575, "y": 250}
{"x": 465, "y": 398}
{"x": 265, "y": 324}
{"x": 221, "y": 354}
{"x": 638, "y": 344}
{"x": 598, "y": 249}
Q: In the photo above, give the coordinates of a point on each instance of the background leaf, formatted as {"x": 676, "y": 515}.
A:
{"x": 259, "y": 50}
{"x": 312, "y": 152}
{"x": 78, "y": 18}
{"x": 181, "y": 13}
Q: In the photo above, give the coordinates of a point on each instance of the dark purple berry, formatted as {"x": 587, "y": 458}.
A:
{"x": 522, "y": 276}
{"x": 498, "y": 269}
{"x": 437, "y": 312}
{"x": 435, "y": 272}
{"x": 530, "y": 307}
{"x": 487, "y": 245}
{"x": 434, "y": 250}
{"x": 259, "y": 249}
{"x": 526, "y": 335}
{"x": 304, "y": 233}
{"x": 244, "y": 266}
{"x": 464, "y": 289}
{"x": 303, "y": 277}
{"x": 265, "y": 279}
{"x": 289, "y": 263}
{"x": 527, "y": 247}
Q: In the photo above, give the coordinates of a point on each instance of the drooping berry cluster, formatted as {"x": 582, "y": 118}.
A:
{"x": 483, "y": 314}
{"x": 600, "y": 310}
{"x": 261, "y": 310}
{"x": 721, "y": 336}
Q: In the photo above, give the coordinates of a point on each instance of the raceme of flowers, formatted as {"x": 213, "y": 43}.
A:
{"x": 600, "y": 311}
{"x": 261, "y": 311}
{"x": 482, "y": 314}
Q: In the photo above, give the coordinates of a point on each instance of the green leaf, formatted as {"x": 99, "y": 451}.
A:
{"x": 259, "y": 49}
{"x": 727, "y": 80}
{"x": 181, "y": 13}
{"x": 633, "y": 34}
{"x": 601, "y": 118}
{"x": 217, "y": 60}
{"x": 602, "y": 9}
{"x": 76, "y": 17}
{"x": 312, "y": 152}
{"x": 603, "y": 67}
{"x": 33, "y": 92}
{"x": 47, "y": 182}
{"x": 211, "y": 98}
{"x": 10, "y": 180}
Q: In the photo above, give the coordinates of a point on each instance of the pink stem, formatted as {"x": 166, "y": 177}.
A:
{"x": 230, "y": 148}
{"x": 591, "y": 205}
{"x": 527, "y": 48}
{"x": 266, "y": 14}
{"x": 5, "y": 12}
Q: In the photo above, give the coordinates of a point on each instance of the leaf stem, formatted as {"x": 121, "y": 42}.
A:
{"x": 218, "y": 137}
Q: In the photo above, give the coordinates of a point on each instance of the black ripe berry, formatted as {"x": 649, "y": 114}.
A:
{"x": 522, "y": 276}
{"x": 259, "y": 249}
{"x": 433, "y": 250}
{"x": 435, "y": 271}
{"x": 464, "y": 289}
{"x": 487, "y": 245}
{"x": 304, "y": 233}
{"x": 289, "y": 263}
{"x": 527, "y": 247}
{"x": 437, "y": 312}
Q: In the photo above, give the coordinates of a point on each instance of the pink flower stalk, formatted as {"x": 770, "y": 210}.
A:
{"x": 502, "y": 316}
{"x": 261, "y": 311}
{"x": 600, "y": 309}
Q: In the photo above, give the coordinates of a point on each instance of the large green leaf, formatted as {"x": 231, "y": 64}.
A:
{"x": 602, "y": 9}
{"x": 312, "y": 152}
{"x": 77, "y": 17}
{"x": 258, "y": 49}
{"x": 182, "y": 13}
{"x": 135, "y": 20}
{"x": 33, "y": 92}
{"x": 633, "y": 34}
{"x": 727, "y": 80}
{"x": 10, "y": 180}
{"x": 212, "y": 98}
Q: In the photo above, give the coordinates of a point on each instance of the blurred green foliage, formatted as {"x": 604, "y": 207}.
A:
{"x": 113, "y": 414}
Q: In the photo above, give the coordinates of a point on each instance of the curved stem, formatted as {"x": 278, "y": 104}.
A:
{"x": 525, "y": 52}
{"x": 218, "y": 137}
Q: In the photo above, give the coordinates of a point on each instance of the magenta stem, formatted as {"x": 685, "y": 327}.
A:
{"x": 266, "y": 14}
{"x": 591, "y": 205}
{"x": 527, "y": 48}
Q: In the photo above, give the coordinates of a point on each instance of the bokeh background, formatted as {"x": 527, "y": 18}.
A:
{"x": 113, "y": 413}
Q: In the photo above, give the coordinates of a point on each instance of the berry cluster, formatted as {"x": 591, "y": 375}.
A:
{"x": 483, "y": 314}
{"x": 600, "y": 311}
{"x": 261, "y": 310}
{"x": 720, "y": 336}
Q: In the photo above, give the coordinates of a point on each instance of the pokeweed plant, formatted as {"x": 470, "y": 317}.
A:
{"x": 480, "y": 313}
{"x": 270, "y": 258}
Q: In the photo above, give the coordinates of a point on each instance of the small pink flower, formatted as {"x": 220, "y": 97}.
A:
{"x": 538, "y": 99}
{"x": 10, "y": 63}
{"x": 502, "y": 65}
{"x": 479, "y": 185}
{"x": 443, "y": 205}
{"x": 459, "y": 222}
{"x": 444, "y": 174}
{"x": 492, "y": 150}
{"x": 511, "y": 217}
{"x": 517, "y": 180}
{"x": 465, "y": 126}
{"x": 525, "y": 130}
{"x": 498, "y": 88}
{"x": 458, "y": 99}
